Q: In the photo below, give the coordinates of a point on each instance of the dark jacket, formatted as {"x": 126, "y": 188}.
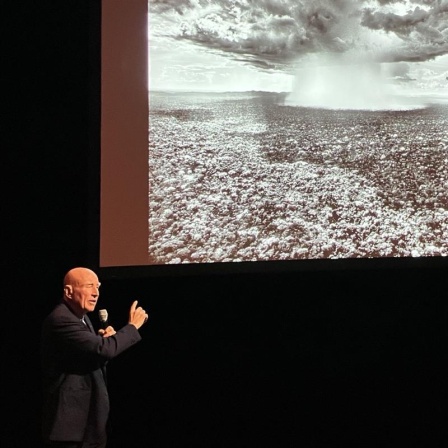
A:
{"x": 74, "y": 358}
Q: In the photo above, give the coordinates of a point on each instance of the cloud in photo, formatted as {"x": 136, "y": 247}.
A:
{"x": 281, "y": 36}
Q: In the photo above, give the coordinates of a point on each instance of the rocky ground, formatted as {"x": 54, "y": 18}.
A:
{"x": 243, "y": 177}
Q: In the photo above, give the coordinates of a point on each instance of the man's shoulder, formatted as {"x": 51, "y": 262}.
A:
{"x": 60, "y": 311}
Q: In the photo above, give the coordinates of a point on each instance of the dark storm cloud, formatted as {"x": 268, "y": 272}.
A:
{"x": 419, "y": 20}
{"x": 424, "y": 32}
{"x": 274, "y": 33}
{"x": 394, "y": 22}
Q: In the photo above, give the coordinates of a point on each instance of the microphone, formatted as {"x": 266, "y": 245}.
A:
{"x": 102, "y": 314}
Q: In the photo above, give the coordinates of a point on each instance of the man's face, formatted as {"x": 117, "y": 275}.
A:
{"x": 82, "y": 292}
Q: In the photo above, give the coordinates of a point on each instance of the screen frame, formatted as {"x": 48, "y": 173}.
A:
{"x": 124, "y": 131}
{"x": 112, "y": 110}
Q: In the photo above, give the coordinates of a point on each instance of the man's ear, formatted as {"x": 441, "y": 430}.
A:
{"x": 68, "y": 291}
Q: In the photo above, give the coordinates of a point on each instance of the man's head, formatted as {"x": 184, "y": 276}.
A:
{"x": 81, "y": 290}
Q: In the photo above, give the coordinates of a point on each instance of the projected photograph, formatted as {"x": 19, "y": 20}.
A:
{"x": 290, "y": 130}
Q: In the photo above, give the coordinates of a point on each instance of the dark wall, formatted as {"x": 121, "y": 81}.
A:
{"x": 344, "y": 358}
{"x": 45, "y": 206}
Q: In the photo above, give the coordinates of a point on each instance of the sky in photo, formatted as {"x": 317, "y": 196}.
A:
{"x": 299, "y": 46}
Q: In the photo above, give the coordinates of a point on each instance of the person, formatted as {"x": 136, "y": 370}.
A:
{"x": 75, "y": 408}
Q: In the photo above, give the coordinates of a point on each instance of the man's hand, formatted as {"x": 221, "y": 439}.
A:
{"x": 137, "y": 315}
{"x": 108, "y": 331}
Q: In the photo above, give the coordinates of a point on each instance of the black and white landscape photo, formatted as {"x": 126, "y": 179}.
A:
{"x": 290, "y": 130}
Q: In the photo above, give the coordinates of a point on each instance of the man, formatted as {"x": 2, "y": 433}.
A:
{"x": 74, "y": 358}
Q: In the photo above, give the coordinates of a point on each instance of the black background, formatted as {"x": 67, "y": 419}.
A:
{"x": 348, "y": 357}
